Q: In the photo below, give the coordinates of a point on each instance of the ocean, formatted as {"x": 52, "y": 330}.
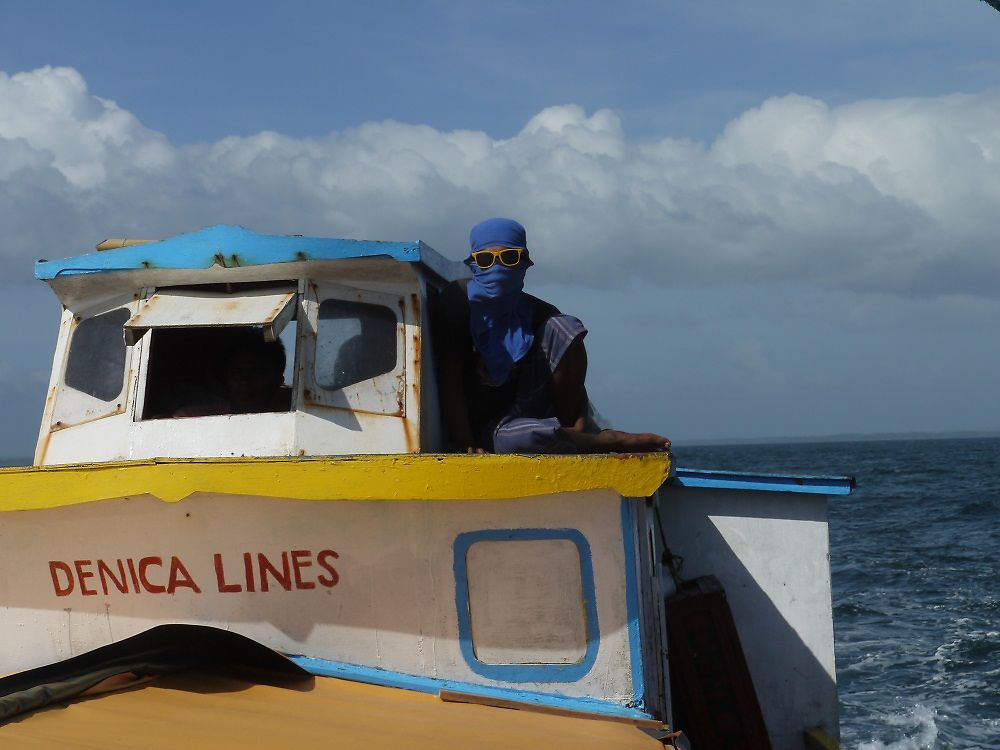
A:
{"x": 915, "y": 558}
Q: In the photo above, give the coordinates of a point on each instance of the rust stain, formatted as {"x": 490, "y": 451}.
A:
{"x": 354, "y": 410}
{"x": 279, "y": 307}
{"x": 417, "y": 344}
{"x": 401, "y": 394}
{"x": 411, "y": 423}
{"x": 60, "y": 425}
{"x": 220, "y": 259}
{"x": 43, "y": 448}
{"x": 43, "y": 442}
{"x": 412, "y": 440}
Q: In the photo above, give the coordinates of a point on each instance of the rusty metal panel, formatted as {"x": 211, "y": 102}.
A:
{"x": 379, "y": 390}
{"x": 190, "y": 308}
{"x": 77, "y": 393}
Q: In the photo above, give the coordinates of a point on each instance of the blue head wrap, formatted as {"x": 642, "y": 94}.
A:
{"x": 501, "y": 315}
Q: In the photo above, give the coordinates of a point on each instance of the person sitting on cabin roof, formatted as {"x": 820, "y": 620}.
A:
{"x": 512, "y": 366}
{"x": 252, "y": 379}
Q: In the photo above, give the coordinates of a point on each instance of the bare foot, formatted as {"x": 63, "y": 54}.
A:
{"x": 616, "y": 441}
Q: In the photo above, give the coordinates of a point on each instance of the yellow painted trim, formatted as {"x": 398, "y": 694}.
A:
{"x": 819, "y": 739}
{"x": 397, "y": 477}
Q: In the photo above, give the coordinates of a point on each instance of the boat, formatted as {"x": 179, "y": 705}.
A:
{"x": 328, "y": 526}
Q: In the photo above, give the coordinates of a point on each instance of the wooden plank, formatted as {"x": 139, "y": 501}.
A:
{"x": 455, "y": 696}
{"x": 718, "y": 706}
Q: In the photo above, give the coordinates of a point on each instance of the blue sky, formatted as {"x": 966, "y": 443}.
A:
{"x": 200, "y": 71}
{"x": 776, "y": 218}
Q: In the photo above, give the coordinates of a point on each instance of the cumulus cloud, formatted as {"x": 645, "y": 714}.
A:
{"x": 895, "y": 196}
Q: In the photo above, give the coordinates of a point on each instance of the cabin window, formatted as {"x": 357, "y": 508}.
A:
{"x": 94, "y": 379}
{"x": 353, "y": 357}
{"x": 96, "y": 362}
{"x": 355, "y": 341}
{"x": 200, "y": 372}
{"x": 217, "y": 349}
{"x": 268, "y": 307}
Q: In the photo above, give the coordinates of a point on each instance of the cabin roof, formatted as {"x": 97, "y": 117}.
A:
{"x": 236, "y": 247}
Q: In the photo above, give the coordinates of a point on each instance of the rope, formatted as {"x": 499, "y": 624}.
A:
{"x": 673, "y": 563}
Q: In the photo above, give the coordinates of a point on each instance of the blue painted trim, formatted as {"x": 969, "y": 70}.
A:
{"x": 729, "y": 480}
{"x": 385, "y": 678}
{"x": 526, "y": 672}
{"x": 632, "y": 605}
{"x": 231, "y": 246}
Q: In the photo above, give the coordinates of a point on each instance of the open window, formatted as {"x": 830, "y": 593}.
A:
{"x": 213, "y": 351}
{"x": 236, "y": 306}
{"x": 357, "y": 360}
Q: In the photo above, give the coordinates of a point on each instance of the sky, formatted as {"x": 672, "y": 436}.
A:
{"x": 775, "y": 218}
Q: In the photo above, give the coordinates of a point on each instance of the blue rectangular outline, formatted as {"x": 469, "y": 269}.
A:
{"x": 632, "y": 604}
{"x": 432, "y": 685}
{"x": 526, "y": 672}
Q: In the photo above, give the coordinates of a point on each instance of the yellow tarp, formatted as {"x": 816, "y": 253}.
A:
{"x": 193, "y": 711}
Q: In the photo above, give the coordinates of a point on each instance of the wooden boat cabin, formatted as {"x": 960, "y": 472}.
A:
{"x": 321, "y": 519}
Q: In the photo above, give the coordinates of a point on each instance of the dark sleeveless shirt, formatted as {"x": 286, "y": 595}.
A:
{"x": 453, "y": 341}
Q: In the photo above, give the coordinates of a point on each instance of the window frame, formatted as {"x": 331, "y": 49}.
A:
{"x": 382, "y": 395}
{"x": 170, "y": 307}
{"x": 291, "y": 310}
{"x": 73, "y": 406}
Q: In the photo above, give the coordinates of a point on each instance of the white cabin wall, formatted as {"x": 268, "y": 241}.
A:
{"x": 770, "y": 551}
{"x": 104, "y": 439}
{"x": 395, "y": 605}
{"x": 342, "y": 432}
{"x": 224, "y": 435}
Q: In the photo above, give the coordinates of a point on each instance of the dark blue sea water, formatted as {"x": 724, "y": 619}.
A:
{"x": 915, "y": 555}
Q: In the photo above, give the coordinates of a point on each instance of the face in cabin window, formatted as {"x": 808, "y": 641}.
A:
{"x": 253, "y": 375}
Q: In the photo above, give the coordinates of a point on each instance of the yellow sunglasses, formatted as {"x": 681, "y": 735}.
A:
{"x": 508, "y": 256}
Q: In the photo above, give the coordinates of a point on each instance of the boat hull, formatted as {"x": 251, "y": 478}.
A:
{"x": 528, "y": 594}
